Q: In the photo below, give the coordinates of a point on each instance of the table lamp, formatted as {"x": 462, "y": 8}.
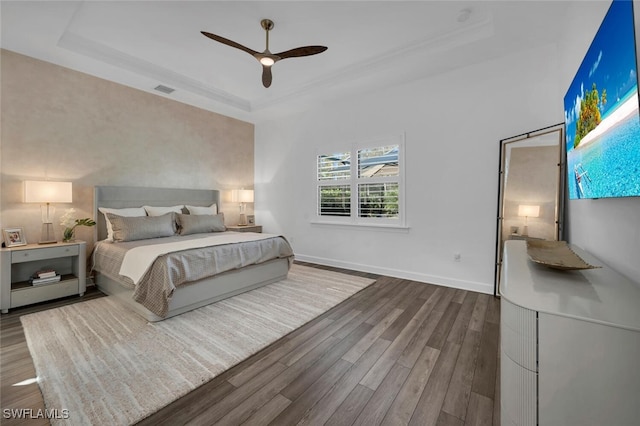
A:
{"x": 242, "y": 196}
{"x": 45, "y": 193}
{"x": 527, "y": 211}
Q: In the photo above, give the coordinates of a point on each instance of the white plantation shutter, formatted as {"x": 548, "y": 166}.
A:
{"x": 364, "y": 185}
{"x": 378, "y": 182}
{"x": 334, "y": 167}
{"x": 378, "y": 200}
{"x": 335, "y": 200}
{"x": 334, "y": 188}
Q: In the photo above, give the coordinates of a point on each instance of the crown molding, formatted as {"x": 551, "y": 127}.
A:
{"x": 472, "y": 32}
{"x": 98, "y": 51}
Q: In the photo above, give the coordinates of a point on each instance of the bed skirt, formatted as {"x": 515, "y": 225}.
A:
{"x": 203, "y": 292}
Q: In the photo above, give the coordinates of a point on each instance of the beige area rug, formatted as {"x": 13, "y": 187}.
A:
{"x": 107, "y": 365}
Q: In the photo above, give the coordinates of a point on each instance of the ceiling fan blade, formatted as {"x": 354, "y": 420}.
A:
{"x": 266, "y": 58}
{"x": 301, "y": 51}
{"x": 228, "y": 42}
{"x": 266, "y": 76}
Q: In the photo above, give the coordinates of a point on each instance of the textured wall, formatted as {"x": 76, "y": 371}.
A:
{"x": 60, "y": 124}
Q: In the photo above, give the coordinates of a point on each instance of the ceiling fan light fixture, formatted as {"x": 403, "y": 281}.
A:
{"x": 267, "y": 61}
{"x": 266, "y": 58}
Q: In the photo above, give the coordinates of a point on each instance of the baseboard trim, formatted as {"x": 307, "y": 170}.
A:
{"x": 407, "y": 275}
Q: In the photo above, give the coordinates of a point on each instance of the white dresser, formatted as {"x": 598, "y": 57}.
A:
{"x": 570, "y": 344}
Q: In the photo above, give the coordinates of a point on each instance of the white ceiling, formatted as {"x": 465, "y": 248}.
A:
{"x": 371, "y": 44}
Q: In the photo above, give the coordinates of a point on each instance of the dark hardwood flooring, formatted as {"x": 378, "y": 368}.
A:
{"x": 397, "y": 353}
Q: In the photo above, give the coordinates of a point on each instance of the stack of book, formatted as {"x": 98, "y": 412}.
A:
{"x": 44, "y": 277}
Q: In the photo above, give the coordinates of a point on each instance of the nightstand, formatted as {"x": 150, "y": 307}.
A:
{"x": 245, "y": 228}
{"x": 522, "y": 237}
{"x": 20, "y": 263}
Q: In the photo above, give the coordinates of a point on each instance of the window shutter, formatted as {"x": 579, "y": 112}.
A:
{"x": 366, "y": 192}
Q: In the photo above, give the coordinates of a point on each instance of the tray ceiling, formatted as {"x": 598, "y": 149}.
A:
{"x": 371, "y": 45}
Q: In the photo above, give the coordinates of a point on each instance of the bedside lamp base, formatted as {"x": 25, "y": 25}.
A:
{"x": 47, "y": 235}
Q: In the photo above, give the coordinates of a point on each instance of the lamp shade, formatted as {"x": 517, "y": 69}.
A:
{"x": 242, "y": 195}
{"x": 528, "y": 211}
{"x": 47, "y": 192}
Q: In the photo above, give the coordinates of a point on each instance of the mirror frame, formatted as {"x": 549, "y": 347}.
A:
{"x": 559, "y": 211}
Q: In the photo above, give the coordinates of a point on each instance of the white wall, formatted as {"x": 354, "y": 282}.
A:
{"x": 453, "y": 123}
{"x": 607, "y": 228}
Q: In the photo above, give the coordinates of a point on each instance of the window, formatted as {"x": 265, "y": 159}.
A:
{"x": 334, "y": 195}
{"x": 363, "y": 185}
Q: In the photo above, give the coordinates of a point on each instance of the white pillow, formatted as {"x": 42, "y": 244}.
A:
{"x": 160, "y": 211}
{"x": 129, "y": 212}
{"x": 212, "y": 209}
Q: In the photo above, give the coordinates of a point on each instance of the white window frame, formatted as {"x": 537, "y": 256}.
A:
{"x": 354, "y": 181}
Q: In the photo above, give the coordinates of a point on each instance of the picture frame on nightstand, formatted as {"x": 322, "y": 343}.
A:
{"x": 14, "y": 237}
{"x": 251, "y": 219}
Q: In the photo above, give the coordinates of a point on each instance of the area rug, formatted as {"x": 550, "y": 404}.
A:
{"x": 107, "y": 365}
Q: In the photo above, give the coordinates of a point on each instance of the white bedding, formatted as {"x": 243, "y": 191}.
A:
{"x": 173, "y": 265}
{"x": 138, "y": 260}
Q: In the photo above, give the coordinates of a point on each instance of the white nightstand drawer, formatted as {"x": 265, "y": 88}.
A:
{"x": 20, "y": 256}
{"x": 35, "y": 294}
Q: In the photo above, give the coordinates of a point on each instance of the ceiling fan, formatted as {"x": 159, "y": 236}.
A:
{"x": 266, "y": 58}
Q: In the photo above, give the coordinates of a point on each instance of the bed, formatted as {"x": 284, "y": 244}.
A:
{"x": 264, "y": 268}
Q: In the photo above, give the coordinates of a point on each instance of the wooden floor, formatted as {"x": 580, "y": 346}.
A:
{"x": 399, "y": 352}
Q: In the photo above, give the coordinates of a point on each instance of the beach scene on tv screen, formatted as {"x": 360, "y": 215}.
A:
{"x": 601, "y": 113}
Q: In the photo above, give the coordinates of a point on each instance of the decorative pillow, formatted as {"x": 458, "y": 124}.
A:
{"x": 128, "y": 212}
{"x": 198, "y": 224}
{"x": 141, "y": 228}
{"x": 159, "y": 211}
{"x": 212, "y": 209}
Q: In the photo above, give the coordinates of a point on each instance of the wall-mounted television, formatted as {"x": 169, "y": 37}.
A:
{"x": 601, "y": 113}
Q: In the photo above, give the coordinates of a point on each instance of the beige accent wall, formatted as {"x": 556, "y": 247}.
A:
{"x": 60, "y": 124}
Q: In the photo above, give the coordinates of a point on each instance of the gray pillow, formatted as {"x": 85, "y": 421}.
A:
{"x": 200, "y": 223}
{"x": 142, "y": 227}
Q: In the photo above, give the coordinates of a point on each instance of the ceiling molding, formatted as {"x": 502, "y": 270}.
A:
{"x": 439, "y": 43}
{"x": 98, "y": 51}
{"x": 143, "y": 44}
{"x": 436, "y": 43}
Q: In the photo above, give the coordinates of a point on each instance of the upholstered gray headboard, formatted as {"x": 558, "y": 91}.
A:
{"x": 118, "y": 197}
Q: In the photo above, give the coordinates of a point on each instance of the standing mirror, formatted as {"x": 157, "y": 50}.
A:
{"x": 530, "y": 195}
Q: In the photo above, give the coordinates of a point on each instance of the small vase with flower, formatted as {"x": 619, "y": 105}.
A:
{"x": 70, "y": 223}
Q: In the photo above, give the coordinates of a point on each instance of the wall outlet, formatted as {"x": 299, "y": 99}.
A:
{"x": 456, "y": 257}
